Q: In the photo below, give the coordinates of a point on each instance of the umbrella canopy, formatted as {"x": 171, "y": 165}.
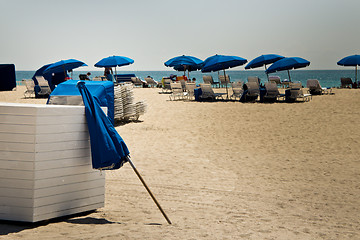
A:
{"x": 64, "y": 65}
{"x": 108, "y": 150}
{"x": 114, "y": 61}
{"x": 288, "y": 63}
{"x": 353, "y": 60}
{"x": 263, "y": 60}
{"x": 183, "y": 63}
{"x": 222, "y": 62}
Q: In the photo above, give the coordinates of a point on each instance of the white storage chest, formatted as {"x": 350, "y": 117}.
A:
{"x": 45, "y": 163}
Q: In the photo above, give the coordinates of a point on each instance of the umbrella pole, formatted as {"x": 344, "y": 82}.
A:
{"x": 289, "y": 76}
{"x": 227, "y": 94}
{"x": 355, "y": 73}
{"x": 266, "y": 72}
{"x": 147, "y": 188}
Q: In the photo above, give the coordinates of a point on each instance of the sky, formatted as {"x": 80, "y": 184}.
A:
{"x": 38, "y": 32}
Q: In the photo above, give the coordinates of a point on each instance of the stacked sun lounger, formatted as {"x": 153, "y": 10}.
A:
{"x": 124, "y": 106}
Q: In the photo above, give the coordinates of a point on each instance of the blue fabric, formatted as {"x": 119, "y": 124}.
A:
{"x": 53, "y": 79}
{"x": 221, "y": 62}
{"x": 180, "y": 61}
{"x": 263, "y": 60}
{"x": 63, "y": 66}
{"x": 197, "y": 94}
{"x": 114, "y": 61}
{"x": 352, "y": 60}
{"x": 103, "y": 92}
{"x": 288, "y": 63}
{"x": 108, "y": 150}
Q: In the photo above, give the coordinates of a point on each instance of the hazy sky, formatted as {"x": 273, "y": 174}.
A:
{"x": 37, "y": 32}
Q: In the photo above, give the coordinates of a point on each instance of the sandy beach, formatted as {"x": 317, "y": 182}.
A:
{"x": 227, "y": 170}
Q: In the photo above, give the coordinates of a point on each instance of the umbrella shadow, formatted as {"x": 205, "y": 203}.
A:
{"x": 90, "y": 220}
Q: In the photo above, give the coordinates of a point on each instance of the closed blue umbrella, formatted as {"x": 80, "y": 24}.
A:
{"x": 64, "y": 65}
{"x": 108, "y": 150}
{"x": 114, "y": 61}
{"x": 183, "y": 63}
{"x": 353, "y": 60}
{"x": 288, "y": 63}
{"x": 222, "y": 62}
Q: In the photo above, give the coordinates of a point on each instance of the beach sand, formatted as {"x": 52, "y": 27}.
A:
{"x": 227, "y": 170}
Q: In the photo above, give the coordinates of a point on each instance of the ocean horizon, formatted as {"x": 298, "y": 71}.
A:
{"x": 327, "y": 78}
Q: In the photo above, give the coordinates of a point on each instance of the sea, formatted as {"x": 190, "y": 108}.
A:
{"x": 327, "y": 78}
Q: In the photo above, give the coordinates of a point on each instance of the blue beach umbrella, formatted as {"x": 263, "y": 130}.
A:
{"x": 64, "y": 65}
{"x": 108, "y": 150}
{"x": 114, "y": 61}
{"x": 222, "y": 62}
{"x": 263, "y": 60}
{"x": 353, "y": 60}
{"x": 288, "y": 63}
{"x": 183, "y": 63}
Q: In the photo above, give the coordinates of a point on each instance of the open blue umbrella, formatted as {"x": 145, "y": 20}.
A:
{"x": 64, "y": 65}
{"x": 183, "y": 63}
{"x": 108, "y": 150}
{"x": 222, "y": 62}
{"x": 353, "y": 60}
{"x": 263, "y": 60}
{"x": 288, "y": 63}
{"x": 114, "y": 61}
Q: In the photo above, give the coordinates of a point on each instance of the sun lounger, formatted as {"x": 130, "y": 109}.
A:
{"x": 30, "y": 87}
{"x": 176, "y": 91}
{"x": 296, "y": 92}
{"x": 151, "y": 82}
{"x": 224, "y": 80}
{"x": 315, "y": 88}
{"x": 137, "y": 81}
{"x": 209, "y": 80}
{"x": 237, "y": 88}
{"x": 272, "y": 92}
{"x": 208, "y": 92}
{"x": 346, "y": 82}
{"x": 190, "y": 89}
{"x": 254, "y": 79}
{"x": 166, "y": 85}
{"x": 43, "y": 85}
{"x": 252, "y": 91}
{"x": 275, "y": 79}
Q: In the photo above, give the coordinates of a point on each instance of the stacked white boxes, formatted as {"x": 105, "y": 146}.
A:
{"x": 45, "y": 163}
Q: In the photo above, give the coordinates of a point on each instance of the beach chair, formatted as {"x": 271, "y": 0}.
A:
{"x": 190, "y": 89}
{"x": 254, "y": 79}
{"x": 176, "y": 91}
{"x": 30, "y": 88}
{"x": 151, "y": 82}
{"x": 237, "y": 88}
{"x": 272, "y": 92}
{"x": 252, "y": 91}
{"x": 43, "y": 85}
{"x": 137, "y": 81}
{"x": 296, "y": 92}
{"x": 182, "y": 82}
{"x": 346, "y": 82}
{"x": 208, "y": 93}
{"x": 209, "y": 80}
{"x": 315, "y": 88}
{"x": 275, "y": 79}
{"x": 224, "y": 81}
{"x": 166, "y": 85}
